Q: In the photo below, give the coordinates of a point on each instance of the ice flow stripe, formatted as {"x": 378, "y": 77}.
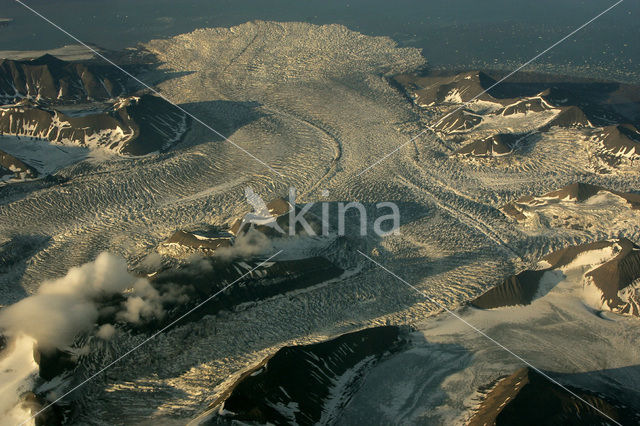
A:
{"x": 491, "y": 87}
{"x": 100, "y": 55}
{"x": 144, "y": 342}
{"x": 491, "y": 339}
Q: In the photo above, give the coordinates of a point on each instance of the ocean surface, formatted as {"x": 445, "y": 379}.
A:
{"x": 499, "y": 34}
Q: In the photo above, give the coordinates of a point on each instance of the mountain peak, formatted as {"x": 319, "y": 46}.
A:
{"x": 47, "y": 59}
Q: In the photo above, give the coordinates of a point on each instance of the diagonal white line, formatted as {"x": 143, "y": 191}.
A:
{"x": 492, "y": 86}
{"x": 263, "y": 163}
{"x": 482, "y": 333}
{"x": 148, "y": 87}
{"x": 147, "y": 340}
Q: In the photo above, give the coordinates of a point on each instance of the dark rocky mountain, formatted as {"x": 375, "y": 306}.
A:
{"x": 214, "y": 272}
{"x": 516, "y": 290}
{"x": 191, "y": 242}
{"x": 620, "y": 140}
{"x": 306, "y": 384}
{"x": 278, "y": 212}
{"x": 613, "y": 108}
{"x": 460, "y": 120}
{"x": 51, "y": 80}
{"x": 578, "y": 192}
{"x": 602, "y": 102}
{"x": 492, "y": 146}
{"x": 533, "y": 104}
{"x": 135, "y": 125}
{"x": 437, "y": 89}
{"x": 53, "y": 362}
{"x": 610, "y": 278}
{"x": 526, "y": 397}
{"x": 14, "y": 167}
{"x": 571, "y": 116}
{"x": 86, "y": 104}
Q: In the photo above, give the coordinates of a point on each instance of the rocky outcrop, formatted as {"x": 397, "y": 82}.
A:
{"x": 53, "y": 362}
{"x": 458, "y": 88}
{"x": 576, "y": 192}
{"x": 526, "y": 397}
{"x": 620, "y": 140}
{"x": 492, "y": 146}
{"x": 52, "y": 80}
{"x": 516, "y": 290}
{"x": 306, "y": 384}
{"x": 274, "y": 221}
{"x": 571, "y": 116}
{"x": 614, "y": 277}
{"x": 524, "y": 106}
{"x": 459, "y": 121}
{"x": 135, "y": 125}
{"x": 191, "y": 242}
{"x": 12, "y": 166}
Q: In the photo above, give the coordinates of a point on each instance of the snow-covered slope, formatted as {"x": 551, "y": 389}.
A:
{"x": 45, "y": 157}
{"x": 304, "y": 385}
{"x": 135, "y": 125}
{"x": 581, "y": 207}
{"x": 443, "y": 378}
{"x": 622, "y": 140}
{"x": 53, "y": 80}
{"x": 314, "y": 102}
{"x": 610, "y": 282}
{"x": 527, "y": 397}
{"x": 466, "y": 107}
{"x": 14, "y": 168}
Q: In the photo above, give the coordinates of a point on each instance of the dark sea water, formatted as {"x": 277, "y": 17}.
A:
{"x": 452, "y": 33}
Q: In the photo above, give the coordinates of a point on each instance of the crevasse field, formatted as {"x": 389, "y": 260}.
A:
{"x": 315, "y": 104}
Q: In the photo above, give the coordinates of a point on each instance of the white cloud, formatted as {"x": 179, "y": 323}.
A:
{"x": 106, "y": 331}
{"x": 65, "y": 307}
